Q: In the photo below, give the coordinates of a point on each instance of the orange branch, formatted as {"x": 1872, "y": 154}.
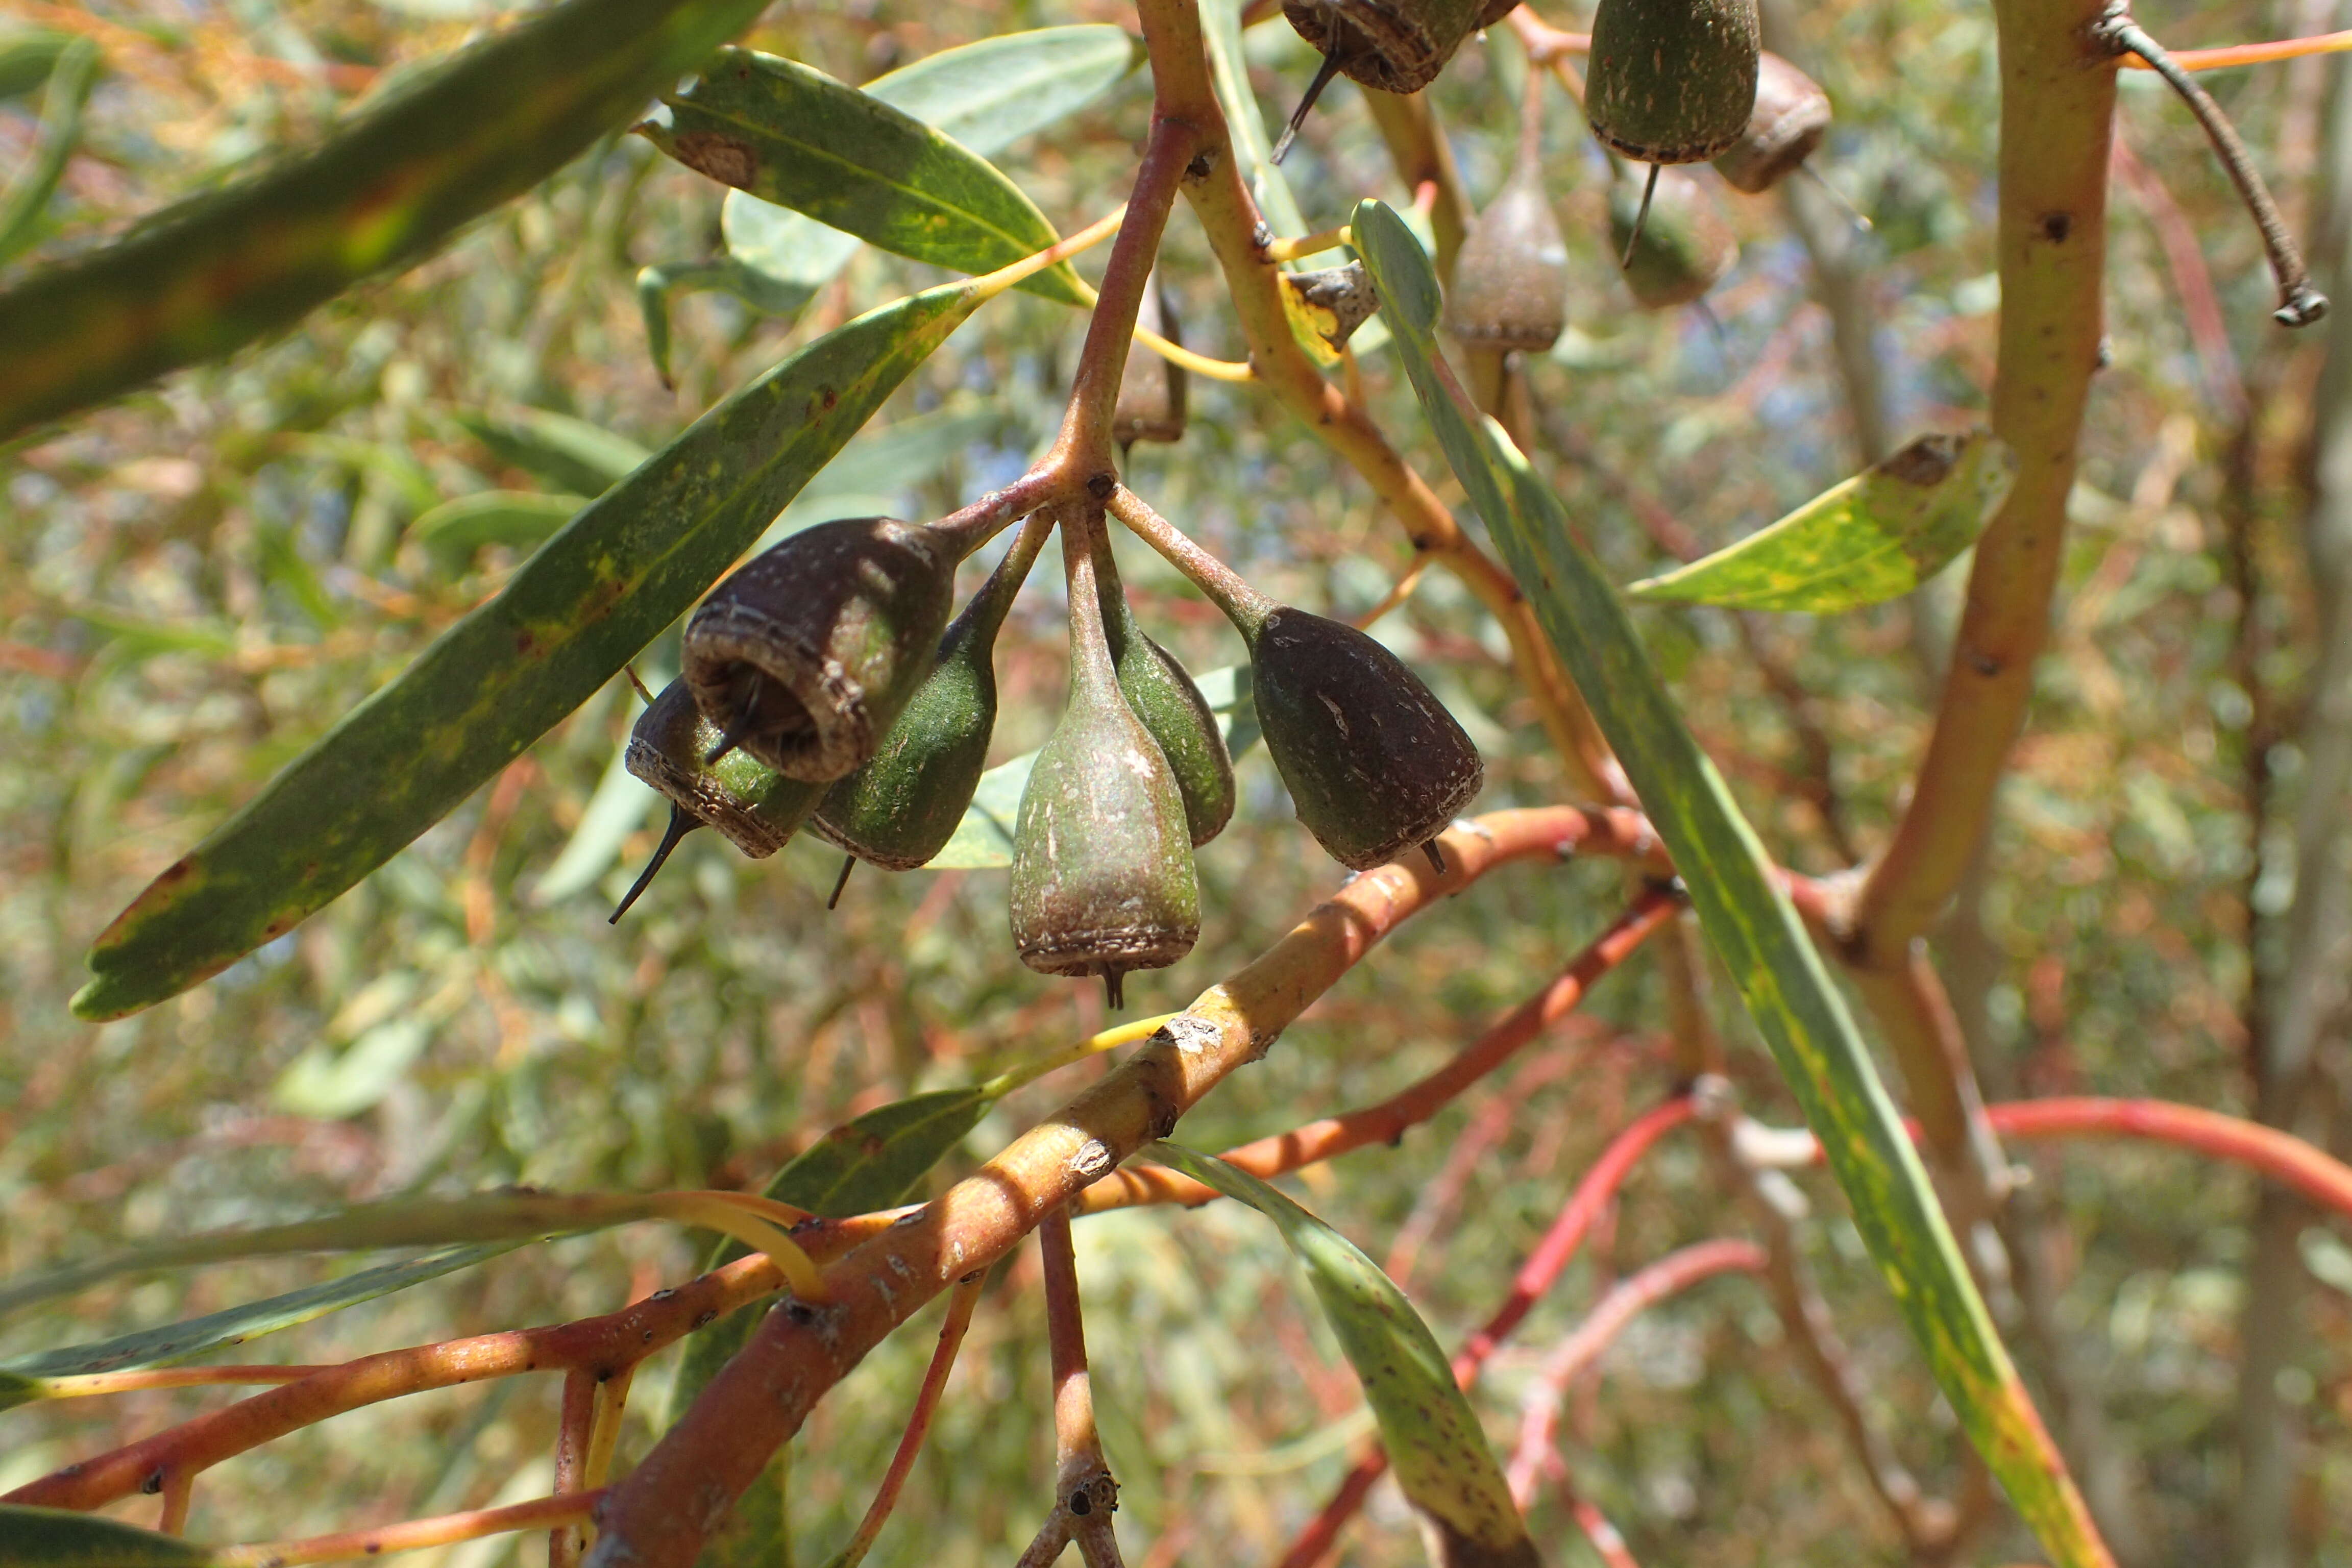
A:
{"x": 2282, "y": 1156}
{"x": 384, "y": 1540}
{"x": 1390, "y": 1120}
{"x": 1670, "y": 1275}
{"x": 1592, "y": 1198}
{"x": 798, "y": 1353}
{"x": 2250, "y": 54}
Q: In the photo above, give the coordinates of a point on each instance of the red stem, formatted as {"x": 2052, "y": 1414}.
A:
{"x": 2282, "y": 1156}
{"x": 1669, "y": 1275}
{"x": 1552, "y": 1254}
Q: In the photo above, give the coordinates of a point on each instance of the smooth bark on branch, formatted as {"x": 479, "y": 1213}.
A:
{"x": 660, "y": 1515}
{"x": 2057, "y": 103}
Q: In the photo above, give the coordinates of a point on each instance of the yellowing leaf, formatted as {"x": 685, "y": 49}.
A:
{"x": 1878, "y": 535}
{"x": 1435, "y": 1446}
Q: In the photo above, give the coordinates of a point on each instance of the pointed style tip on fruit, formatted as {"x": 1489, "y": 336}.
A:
{"x": 1374, "y": 762}
{"x": 681, "y": 823}
{"x": 753, "y": 807}
{"x": 1151, "y": 390}
{"x": 806, "y": 656}
{"x": 1672, "y": 81}
{"x": 832, "y": 900}
{"x": 1394, "y": 45}
{"x": 1510, "y": 278}
{"x": 1791, "y": 118}
{"x": 1684, "y": 247}
{"x": 1436, "y": 855}
{"x": 1103, "y": 882}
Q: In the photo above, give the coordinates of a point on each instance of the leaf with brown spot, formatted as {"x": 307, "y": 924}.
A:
{"x": 1435, "y": 1445}
{"x": 585, "y": 604}
{"x": 60, "y": 1538}
{"x": 1876, "y": 536}
{"x": 791, "y": 135}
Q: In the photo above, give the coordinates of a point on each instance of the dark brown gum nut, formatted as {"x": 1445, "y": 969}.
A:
{"x": 1685, "y": 245}
{"x": 1374, "y": 762}
{"x": 1395, "y": 46}
{"x": 1151, "y": 392}
{"x": 1161, "y": 693}
{"x": 1510, "y": 279}
{"x": 755, "y": 807}
{"x": 1791, "y": 118}
{"x": 1672, "y": 81}
{"x": 900, "y": 808}
{"x": 1102, "y": 859}
{"x": 807, "y": 655}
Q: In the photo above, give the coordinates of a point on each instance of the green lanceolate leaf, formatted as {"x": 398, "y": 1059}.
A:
{"x": 26, "y": 196}
{"x": 28, "y": 55}
{"x": 794, "y": 136}
{"x": 16, "y": 1388}
{"x": 505, "y": 1216}
{"x": 194, "y": 1337}
{"x": 1878, "y": 535}
{"x": 226, "y": 268}
{"x": 1749, "y": 920}
{"x": 594, "y": 596}
{"x": 1440, "y": 1455}
{"x": 985, "y": 95}
{"x": 526, "y": 518}
{"x": 60, "y": 1538}
{"x": 874, "y": 1161}
{"x": 559, "y": 450}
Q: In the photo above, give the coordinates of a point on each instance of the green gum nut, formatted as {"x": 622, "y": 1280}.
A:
{"x": 755, "y": 807}
{"x": 901, "y": 808}
{"x": 1672, "y": 81}
{"x": 1791, "y": 118}
{"x": 1374, "y": 762}
{"x": 1162, "y": 694}
{"x": 1395, "y": 46}
{"x": 1102, "y": 857}
{"x": 807, "y": 655}
{"x": 1685, "y": 245}
{"x": 1510, "y": 279}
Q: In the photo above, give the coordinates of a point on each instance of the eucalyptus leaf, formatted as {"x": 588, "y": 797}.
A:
{"x": 512, "y": 1215}
{"x": 559, "y": 449}
{"x": 194, "y": 1337}
{"x": 28, "y": 55}
{"x": 1745, "y": 913}
{"x": 1435, "y": 1444}
{"x": 60, "y": 1538}
{"x": 791, "y": 135}
{"x": 456, "y": 529}
{"x": 385, "y": 188}
{"x": 985, "y": 95}
{"x": 25, "y": 200}
{"x": 1873, "y": 538}
{"x": 596, "y": 594}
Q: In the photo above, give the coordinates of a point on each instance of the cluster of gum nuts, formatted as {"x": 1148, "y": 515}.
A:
{"x": 1669, "y": 82}
{"x": 825, "y": 687}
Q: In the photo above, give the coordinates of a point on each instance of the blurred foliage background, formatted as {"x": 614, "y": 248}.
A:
{"x": 199, "y": 579}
